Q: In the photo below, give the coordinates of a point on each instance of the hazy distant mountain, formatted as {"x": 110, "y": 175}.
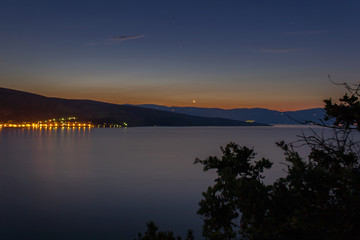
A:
{"x": 23, "y": 106}
{"x": 243, "y": 114}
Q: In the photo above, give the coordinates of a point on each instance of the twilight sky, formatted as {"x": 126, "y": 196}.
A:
{"x": 228, "y": 54}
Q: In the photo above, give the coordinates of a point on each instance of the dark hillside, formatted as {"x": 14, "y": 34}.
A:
{"x": 23, "y": 106}
{"x": 261, "y": 115}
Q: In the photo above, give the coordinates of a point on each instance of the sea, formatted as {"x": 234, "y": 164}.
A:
{"x": 107, "y": 183}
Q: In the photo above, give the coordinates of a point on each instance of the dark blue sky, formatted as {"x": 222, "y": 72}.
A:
{"x": 274, "y": 54}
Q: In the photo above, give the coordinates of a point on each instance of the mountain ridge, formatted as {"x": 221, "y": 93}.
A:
{"x": 263, "y": 115}
{"x": 18, "y": 105}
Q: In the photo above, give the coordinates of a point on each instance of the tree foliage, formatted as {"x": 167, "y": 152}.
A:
{"x": 319, "y": 198}
{"x": 238, "y": 190}
{"x": 152, "y": 233}
{"x": 347, "y": 112}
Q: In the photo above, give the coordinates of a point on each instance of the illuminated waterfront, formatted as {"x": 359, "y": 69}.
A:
{"x": 69, "y": 122}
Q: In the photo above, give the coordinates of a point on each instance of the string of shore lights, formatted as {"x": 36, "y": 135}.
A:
{"x": 69, "y": 122}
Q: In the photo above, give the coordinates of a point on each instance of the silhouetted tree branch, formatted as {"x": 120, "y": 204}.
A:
{"x": 152, "y": 233}
{"x": 319, "y": 198}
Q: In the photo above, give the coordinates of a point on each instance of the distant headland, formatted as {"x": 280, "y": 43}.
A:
{"x": 24, "y": 109}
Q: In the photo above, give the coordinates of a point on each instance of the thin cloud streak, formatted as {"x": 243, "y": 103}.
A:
{"x": 114, "y": 40}
{"x": 305, "y": 32}
{"x": 130, "y": 37}
{"x": 120, "y": 39}
{"x": 280, "y": 50}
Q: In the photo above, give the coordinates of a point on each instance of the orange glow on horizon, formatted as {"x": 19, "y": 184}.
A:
{"x": 184, "y": 97}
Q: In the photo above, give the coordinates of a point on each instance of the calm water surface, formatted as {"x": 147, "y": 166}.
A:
{"x": 107, "y": 183}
